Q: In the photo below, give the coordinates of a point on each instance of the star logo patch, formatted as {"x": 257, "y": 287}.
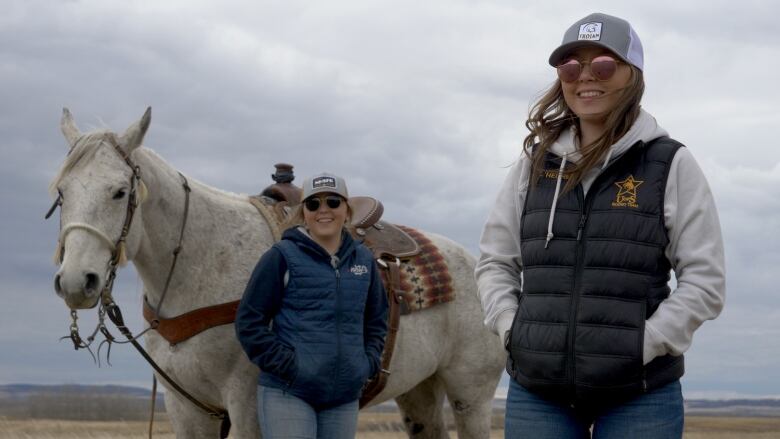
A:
{"x": 626, "y": 195}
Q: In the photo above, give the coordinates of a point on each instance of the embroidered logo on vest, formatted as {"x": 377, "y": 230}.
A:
{"x": 358, "y": 270}
{"x": 553, "y": 174}
{"x": 626, "y": 195}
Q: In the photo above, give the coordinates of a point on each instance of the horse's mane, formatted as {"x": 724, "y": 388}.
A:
{"x": 192, "y": 181}
{"x": 86, "y": 146}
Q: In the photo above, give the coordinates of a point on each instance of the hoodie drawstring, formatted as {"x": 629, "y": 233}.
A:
{"x": 606, "y": 159}
{"x": 555, "y": 201}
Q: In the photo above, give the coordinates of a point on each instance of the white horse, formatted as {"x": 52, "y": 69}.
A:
{"x": 443, "y": 350}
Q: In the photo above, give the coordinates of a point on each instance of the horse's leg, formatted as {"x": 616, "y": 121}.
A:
{"x": 242, "y": 406}
{"x": 188, "y": 421}
{"x": 471, "y": 374}
{"x": 421, "y": 409}
{"x": 470, "y": 394}
{"x": 472, "y": 371}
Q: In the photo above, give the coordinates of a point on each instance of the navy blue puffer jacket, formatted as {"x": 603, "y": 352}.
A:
{"x": 329, "y": 320}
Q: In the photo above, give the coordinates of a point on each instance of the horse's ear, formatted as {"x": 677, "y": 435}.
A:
{"x": 134, "y": 135}
{"x": 69, "y": 128}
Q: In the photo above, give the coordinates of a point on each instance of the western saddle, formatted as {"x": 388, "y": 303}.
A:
{"x": 384, "y": 239}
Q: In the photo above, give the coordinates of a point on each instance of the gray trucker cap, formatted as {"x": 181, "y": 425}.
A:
{"x": 603, "y": 30}
{"x": 325, "y": 182}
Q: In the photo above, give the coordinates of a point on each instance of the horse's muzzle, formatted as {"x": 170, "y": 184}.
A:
{"x": 78, "y": 292}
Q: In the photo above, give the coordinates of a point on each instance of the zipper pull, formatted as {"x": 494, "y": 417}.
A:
{"x": 581, "y": 226}
{"x": 334, "y": 262}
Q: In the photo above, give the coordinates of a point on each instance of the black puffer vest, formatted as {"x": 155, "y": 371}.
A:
{"x": 578, "y": 333}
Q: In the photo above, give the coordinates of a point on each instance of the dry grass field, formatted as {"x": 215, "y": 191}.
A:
{"x": 372, "y": 426}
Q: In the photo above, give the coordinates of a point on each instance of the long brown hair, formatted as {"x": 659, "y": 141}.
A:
{"x": 550, "y": 117}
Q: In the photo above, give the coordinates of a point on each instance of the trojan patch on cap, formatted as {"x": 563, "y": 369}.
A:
{"x": 590, "y": 32}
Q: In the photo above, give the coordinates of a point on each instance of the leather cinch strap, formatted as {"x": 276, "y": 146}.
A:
{"x": 394, "y": 298}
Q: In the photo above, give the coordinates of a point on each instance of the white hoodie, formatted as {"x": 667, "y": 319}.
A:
{"x": 695, "y": 244}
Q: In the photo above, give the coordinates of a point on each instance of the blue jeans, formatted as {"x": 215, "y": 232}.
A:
{"x": 657, "y": 414}
{"x": 284, "y": 416}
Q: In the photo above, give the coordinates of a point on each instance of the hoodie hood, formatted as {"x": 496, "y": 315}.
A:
{"x": 301, "y": 238}
{"x": 644, "y": 129}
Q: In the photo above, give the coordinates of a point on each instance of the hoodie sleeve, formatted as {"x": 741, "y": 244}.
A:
{"x": 262, "y": 300}
{"x": 498, "y": 270}
{"x": 375, "y": 321}
{"x": 696, "y": 252}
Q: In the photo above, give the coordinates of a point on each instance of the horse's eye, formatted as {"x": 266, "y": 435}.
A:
{"x": 119, "y": 194}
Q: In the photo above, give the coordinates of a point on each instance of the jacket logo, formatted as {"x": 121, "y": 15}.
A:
{"x": 358, "y": 270}
{"x": 626, "y": 195}
{"x": 553, "y": 174}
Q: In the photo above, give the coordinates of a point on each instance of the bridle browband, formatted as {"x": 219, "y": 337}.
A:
{"x": 107, "y": 305}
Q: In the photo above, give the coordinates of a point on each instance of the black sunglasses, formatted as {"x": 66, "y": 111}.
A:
{"x": 313, "y": 203}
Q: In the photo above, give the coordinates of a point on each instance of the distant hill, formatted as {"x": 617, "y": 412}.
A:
{"x": 112, "y": 402}
{"x": 76, "y": 402}
{"x": 733, "y": 407}
{"x": 758, "y": 407}
{"x": 23, "y": 390}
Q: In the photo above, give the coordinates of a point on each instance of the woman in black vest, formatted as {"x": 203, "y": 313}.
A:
{"x": 577, "y": 252}
{"x": 313, "y": 320}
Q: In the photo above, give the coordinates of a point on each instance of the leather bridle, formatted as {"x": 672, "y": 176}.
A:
{"x": 116, "y": 247}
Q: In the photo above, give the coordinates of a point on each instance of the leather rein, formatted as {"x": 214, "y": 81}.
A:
{"x": 110, "y": 308}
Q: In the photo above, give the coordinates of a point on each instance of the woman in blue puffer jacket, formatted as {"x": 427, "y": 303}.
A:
{"x": 313, "y": 319}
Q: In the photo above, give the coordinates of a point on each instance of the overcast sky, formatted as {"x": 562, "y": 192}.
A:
{"x": 420, "y": 104}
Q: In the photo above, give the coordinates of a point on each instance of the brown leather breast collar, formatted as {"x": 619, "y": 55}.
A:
{"x": 182, "y": 327}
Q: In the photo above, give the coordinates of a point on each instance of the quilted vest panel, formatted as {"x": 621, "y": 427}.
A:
{"x": 578, "y": 333}
{"x": 321, "y": 317}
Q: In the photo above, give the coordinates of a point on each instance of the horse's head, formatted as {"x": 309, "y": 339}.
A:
{"x": 99, "y": 189}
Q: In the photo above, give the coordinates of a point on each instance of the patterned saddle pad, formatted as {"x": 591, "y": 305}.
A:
{"x": 425, "y": 278}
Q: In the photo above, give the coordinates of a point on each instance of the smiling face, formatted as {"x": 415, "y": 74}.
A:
{"x": 589, "y": 98}
{"x": 325, "y": 223}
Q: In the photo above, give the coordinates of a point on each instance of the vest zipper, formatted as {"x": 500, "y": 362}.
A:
{"x": 334, "y": 263}
{"x": 581, "y": 226}
{"x": 575, "y": 294}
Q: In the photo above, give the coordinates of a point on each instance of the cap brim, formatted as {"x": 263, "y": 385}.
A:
{"x": 327, "y": 191}
{"x": 560, "y": 53}
{"x": 324, "y": 191}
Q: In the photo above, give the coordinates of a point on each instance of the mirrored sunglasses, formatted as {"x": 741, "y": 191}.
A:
{"x": 313, "y": 203}
{"x": 601, "y": 67}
